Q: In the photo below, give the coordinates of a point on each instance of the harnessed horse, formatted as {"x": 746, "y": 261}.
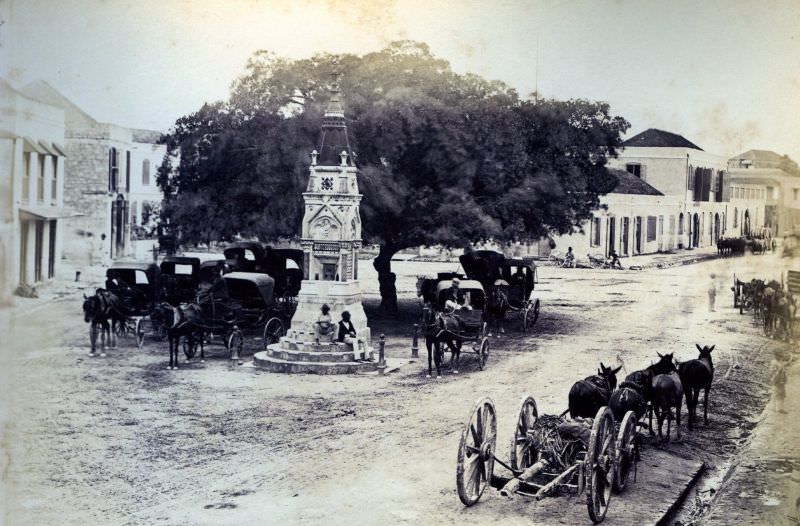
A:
{"x": 101, "y": 310}
{"x": 441, "y": 328}
{"x": 181, "y": 321}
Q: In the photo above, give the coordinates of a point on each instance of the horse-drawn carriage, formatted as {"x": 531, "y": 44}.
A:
{"x": 509, "y": 282}
{"x": 183, "y": 277}
{"x": 238, "y": 304}
{"x": 548, "y": 455}
{"x": 136, "y": 287}
{"x": 284, "y": 265}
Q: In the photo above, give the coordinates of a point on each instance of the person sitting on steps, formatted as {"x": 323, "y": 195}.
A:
{"x": 615, "y": 263}
{"x": 347, "y": 334}
{"x": 323, "y": 327}
{"x": 569, "y": 258}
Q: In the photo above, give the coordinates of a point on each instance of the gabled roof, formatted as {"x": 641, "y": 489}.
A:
{"x": 660, "y": 139}
{"x": 630, "y": 184}
{"x": 43, "y": 92}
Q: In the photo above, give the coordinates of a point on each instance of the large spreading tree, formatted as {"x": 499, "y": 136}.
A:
{"x": 444, "y": 158}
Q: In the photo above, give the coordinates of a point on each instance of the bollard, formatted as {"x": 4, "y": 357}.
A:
{"x": 382, "y": 355}
{"x": 415, "y": 342}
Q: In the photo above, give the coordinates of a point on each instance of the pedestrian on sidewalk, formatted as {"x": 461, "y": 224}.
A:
{"x": 712, "y": 294}
{"x": 778, "y": 379}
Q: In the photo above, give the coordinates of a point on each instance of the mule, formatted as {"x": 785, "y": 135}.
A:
{"x": 587, "y": 396}
{"x": 635, "y": 392}
{"x": 695, "y": 375}
{"x": 100, "y": 312}
{"x": 667, "y": 392}
{"x": 179, "y": 322}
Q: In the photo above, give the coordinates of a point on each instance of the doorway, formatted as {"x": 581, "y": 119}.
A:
{"x": 612, "y": 235}
{"x": 637, "y": 234}
{"x": 696, "y": 231}
{"x": 626, "y": 227}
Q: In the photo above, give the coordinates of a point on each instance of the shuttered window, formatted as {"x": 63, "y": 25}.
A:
{"x": 652, "y": 224}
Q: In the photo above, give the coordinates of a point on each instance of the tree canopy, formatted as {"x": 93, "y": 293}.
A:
{"x": 444, "y": 158}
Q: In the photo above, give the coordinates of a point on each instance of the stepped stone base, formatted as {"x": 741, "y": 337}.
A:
{"x": 293, "y": 355}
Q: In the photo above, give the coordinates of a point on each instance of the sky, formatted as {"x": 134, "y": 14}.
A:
{"x": 723, "y": 73}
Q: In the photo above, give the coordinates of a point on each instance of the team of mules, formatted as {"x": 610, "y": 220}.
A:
{"x": 658, "y": 389}
{"x": 771, "y": 304}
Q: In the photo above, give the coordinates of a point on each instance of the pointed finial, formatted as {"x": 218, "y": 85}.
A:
{"x": 343, "y": 157}
{"x": 314, "y": 155}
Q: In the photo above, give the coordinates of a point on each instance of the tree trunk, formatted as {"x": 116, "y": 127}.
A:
{"x": 386, "y": 278}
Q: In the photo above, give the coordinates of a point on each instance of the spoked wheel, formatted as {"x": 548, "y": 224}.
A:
{"x": 139, "y": 332}
{"x": 235, "y": 344}
{"x": 273, "y": 330}
{"x": 476, "y": 452}
{"x": 626, "y": 453}
{"x": 483, "y": 353}
{"x": 600, "y": 465}
{"x": 536, "y": 306}
{"x": 522, "y": 455}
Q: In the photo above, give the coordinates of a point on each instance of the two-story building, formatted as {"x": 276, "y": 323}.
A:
{"x": 780, "y": 177}
{"x": 105, "y": 166}
{"x": 32, "y": 161}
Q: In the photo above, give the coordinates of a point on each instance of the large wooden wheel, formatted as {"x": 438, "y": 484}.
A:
{"x": 531, "y": 315}
{"x": 483, "y": 353}
{"x": 522, "y": 455}
{"x": 626, "y": 451}
{"x": 600, "y": 465}
{"x": 273, "y": 330}
{"x": 139, "y": 332}
{"x": 476, "y": 452}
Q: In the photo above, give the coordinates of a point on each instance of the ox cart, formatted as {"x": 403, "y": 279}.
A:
{"x": 549, "y": 455}
{"x": 137, "y": 287}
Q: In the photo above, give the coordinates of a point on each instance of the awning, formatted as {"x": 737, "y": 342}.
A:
{"x": 42, "y": 212}
{"x": 48, "y": 148}
{"x": 31, "y": 146}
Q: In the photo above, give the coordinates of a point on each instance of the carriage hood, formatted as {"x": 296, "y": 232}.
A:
{"x": 240, "y": 284}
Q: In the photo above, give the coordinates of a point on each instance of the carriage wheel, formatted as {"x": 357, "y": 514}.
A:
{"x": 625, "y": 451}
{"x": 139, "y": 332}
{"x": 122, "y": 328}
{"x": 161, "y": 333}
{"x": 234, "y": 344}
{"x": 483, "y": 353}
{"x": 273, "y": 330}
{"x": 522, "y": 455}
{"x": 599, "y": 465}
{"x": 476, "y": 452}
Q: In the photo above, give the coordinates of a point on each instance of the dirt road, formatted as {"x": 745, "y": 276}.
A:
{"x": 122, "y": 440}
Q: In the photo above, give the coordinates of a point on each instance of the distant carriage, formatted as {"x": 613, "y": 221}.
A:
{"x": 284, "y": 265}
{"x": 137, "y": 288}
{"x": 468, "y": 324}
{"x": 183, "y": 277}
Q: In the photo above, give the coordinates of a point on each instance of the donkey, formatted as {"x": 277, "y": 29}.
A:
{"x": 179, "y": 322}
{"x": 496, "y": 308}
{"x": 587, "y": 396}
{"x": 695, "y": 375}
{"x": 99, "y": 310}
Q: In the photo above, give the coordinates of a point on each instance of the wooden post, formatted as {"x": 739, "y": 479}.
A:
{"x": 415, "y": 342}
{"x": 382, "y": 355}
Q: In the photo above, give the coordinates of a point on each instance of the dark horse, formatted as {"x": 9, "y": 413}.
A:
{"x": 441, "y": 329}
{"x": 101, "y": 310}
{"x": 587, "y": 396}
{"x": 695, "y": 375}
{"x": 496, "y": 308}
{"x": 179, "y": 322}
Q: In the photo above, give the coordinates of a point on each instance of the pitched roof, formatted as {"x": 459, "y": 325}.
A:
{"x": 660, "y": 139}
{"x": 43, "y": 92}
{"x": 628, "y": 183}
{"x": 761, "y": 155}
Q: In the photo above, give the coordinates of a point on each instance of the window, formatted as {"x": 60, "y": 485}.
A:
{"x": 113, "y": 169}
{"x": 652, "y": 223}
{"x": 690, "y": 178}
{"x": 127, "y": 171}
{"x": 146, "y": 172}
{"x": 595, "y": 235}
{"x": 40, "y": 180}
{"x": 634, "y": 169}
{"x": 54, "y": 181}
{"x": 26, "y": 175}
{"x": 134, "y": 212}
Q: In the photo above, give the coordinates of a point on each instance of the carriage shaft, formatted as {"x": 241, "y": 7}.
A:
{"x": 542, "y": 493}
{"x": 513, "y": 485}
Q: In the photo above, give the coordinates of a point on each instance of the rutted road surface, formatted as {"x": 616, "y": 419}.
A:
{"x": 122, "y": 440}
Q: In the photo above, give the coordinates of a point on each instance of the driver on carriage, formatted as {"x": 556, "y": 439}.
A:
{"x": 455, "y": 298}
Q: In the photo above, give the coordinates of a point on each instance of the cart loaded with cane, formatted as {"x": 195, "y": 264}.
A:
{"x": 549, "y": 455}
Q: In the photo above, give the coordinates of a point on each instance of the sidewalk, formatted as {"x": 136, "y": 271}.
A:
{"x": 764, "y": 486}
